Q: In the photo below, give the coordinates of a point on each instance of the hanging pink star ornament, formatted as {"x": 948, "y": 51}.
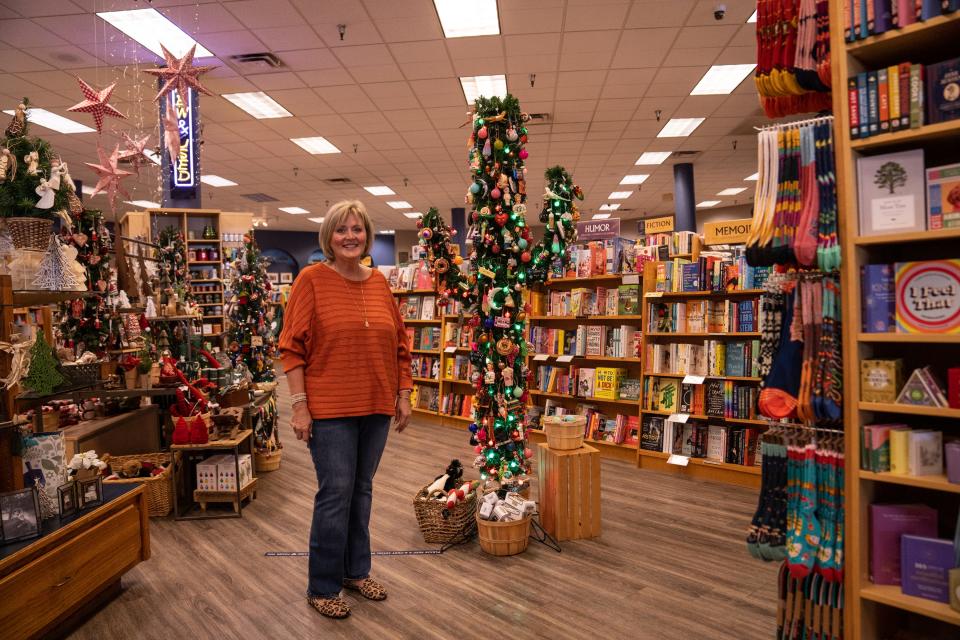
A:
{"x": 180, "y": 73}
{"x": 109, "y": 175}
{"x": 171, "y": 133}
{"x": 96, "y": 103}
{"x": 134, "y": 152}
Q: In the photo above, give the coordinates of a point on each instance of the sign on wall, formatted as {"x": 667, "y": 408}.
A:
{"x": 598, "y": 229}
{"x": 182, "y": 168}
{"x": 727, "y": 231}
{"x": 658, "y": 225}
{"x": 181, "y": 184}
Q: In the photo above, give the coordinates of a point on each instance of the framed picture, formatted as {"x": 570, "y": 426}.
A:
{"x": 273, "y": 278}
{"x": 67, "y": 497}
{"x": 19, "y": 515}
{"x": 90, "y": 492}
{"x": 286, "y": 277}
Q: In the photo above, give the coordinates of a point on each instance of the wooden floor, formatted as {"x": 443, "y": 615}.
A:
{"x": 671, "y": 564}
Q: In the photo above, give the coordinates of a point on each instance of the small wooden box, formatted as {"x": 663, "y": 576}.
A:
{"x": 880, "y": 380}
{"x": 569, "y": 492}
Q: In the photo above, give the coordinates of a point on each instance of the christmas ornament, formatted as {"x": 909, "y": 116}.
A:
{"x": 32, "y": 163}
{"x": 8, "y": 165}
{"x": 47, "y": 193}
{"x": 110, "y": 175}
{"x": 18, "y": 125}
{"x": 56, "y": 271}
{"x": 96, "y": 103}
{"x": 171, "y": 133}
{"x": 134, "y": 152}
{"x": 180, "y": 74}
{"x": 43, "y": 377}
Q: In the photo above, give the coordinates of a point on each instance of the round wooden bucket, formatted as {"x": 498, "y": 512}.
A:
{"x": 503, "y": 538}
{"x": 267, "y": 461}
{"x": 564, "y": 432}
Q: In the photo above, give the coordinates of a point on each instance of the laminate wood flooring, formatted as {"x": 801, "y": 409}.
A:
{"x": 671, "y": 564}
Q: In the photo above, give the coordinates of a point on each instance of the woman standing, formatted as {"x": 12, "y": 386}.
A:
{"x": 344, "y": 349}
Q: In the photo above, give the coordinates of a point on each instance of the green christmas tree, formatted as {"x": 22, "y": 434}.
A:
{"x": 43, "y": 377}
{"x": 251, "y": 340}
{"x": 560, "y": 215}
{"x": 504, "y": 261}
{"x": 172, "y": 269}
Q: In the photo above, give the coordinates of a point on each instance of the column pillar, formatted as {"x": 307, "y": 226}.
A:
{"x": 684, "y": 198}
{"x": 458, "y": 220}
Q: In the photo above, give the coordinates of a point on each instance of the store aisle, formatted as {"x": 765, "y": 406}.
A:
{"x": 671, "y": 564}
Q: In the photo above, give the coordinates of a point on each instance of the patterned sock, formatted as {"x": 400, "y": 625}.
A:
{"x": 803, "y": 537}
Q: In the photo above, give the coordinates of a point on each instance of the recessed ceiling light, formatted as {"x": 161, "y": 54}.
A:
{"x": 258, "y": 104}
{"x": 707, "y": 203}
{"x": 399, "y": 204}
{"x": 149, "y": 27}
{"x": 752, "y": 18}
{"x": 600, "y": 216}
{"x": 680, "y": 127}
{"x": 413, "y": 215}
{"x": 487, "y": 86}
{"x": 52, "y": 121}
{"x": 653, "y": 157}
{"x": 754, "y": 177}
{"x": 609, "y": 207}
{"x": 146, "y": 204}
{"x": 732, "y": 191}
{"x": 620, "y": 195}
{"x": 217, "y": 181}
{"x": 317, "y": 220}
{"x": 721, "y": 79}
{"x": 294, "y": 210}
{"x": 636, "y": 178}
{"x": 381, "y": 190}
{"x": 462, "y": 18}
{"x": 315, "y": 145}
{"x": 386, "y": 232}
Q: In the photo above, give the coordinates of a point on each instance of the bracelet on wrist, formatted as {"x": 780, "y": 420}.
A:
{"x": 297, "y": 398}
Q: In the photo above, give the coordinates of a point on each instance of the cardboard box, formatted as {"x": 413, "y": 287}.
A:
{"x": 880, "y": 380}
{"x": 207, "y": 474}
{"x": 227, "y": 472}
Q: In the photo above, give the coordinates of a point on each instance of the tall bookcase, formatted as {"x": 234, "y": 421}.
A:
{"x": 872, "y": 611}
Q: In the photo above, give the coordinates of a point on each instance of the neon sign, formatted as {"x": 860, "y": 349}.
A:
{"x": 182, "y": 167}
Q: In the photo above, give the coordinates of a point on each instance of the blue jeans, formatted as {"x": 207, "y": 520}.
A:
{"x": 346, "y": 453}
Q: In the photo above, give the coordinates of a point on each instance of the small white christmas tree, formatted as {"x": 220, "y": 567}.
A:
{"x": 55, "y": 272}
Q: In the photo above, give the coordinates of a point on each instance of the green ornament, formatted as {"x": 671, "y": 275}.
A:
{"x": 517, "y": 392}
{"x": 498, "y": 145}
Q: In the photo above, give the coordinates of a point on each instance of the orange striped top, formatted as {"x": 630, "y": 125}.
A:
{"x": 349, "y": 369}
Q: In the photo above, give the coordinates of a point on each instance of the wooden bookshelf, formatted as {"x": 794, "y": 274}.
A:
{"x": 934, "y": 483}
{"x": 591, "y": 358}
{"x": 704, "y": 294}
{"x": 891, "y": 596}
{"x": 905, "y": 41}
{"x": 910, "y": 409}
{"x": 937, "y": 235}
{"x": 677, "y": 334}
{"x": 567, "y": 396}
{"x": 910, "y": 338}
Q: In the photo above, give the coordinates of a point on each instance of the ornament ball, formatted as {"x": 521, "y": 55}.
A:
{"x": 525, "y": 256}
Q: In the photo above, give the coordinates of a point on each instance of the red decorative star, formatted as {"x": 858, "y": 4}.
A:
{"x": 134, "y": 152}
{"x": 96, "y": 103}
{"x": 110, "y": 175}
{"x": 180, "y": 73}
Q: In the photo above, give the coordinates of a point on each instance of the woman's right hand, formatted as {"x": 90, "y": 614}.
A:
{"x": 301, "y": 421}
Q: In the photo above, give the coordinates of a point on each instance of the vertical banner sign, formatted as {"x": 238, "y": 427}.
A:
{"x": 181, "y": 184}
{"x": 598, "y": 229}
{"x": 182, "y": 170}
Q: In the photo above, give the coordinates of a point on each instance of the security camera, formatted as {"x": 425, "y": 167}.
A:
{"x": 720, "y": 12}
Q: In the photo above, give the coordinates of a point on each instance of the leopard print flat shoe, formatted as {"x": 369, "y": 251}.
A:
{"x": 368, "y": 588}
{"x": 330, "y": 607}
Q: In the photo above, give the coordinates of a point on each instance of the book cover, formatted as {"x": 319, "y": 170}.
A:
{"x": 632, "y": 430}
{"x": 928, "y": 296}
{"x": 629, "y": 389}
{"x": 893, "y": 88}
{"x": 943, "y": 91}
{"x": 899, "y": 449}
{"x": 852, "y": 98}
{"x": 862, "y": 102}
{"x": 888, "y": 522}
{"x": 925, "y": 565}
{"x": 916, "y": 96}
{"x": 930, "y": 9}
{"x": 925, "y": 452}
{"x": 883, "y": 97}
{"x": 628, "y": 300}
{"x": 651, "y": 437}
{"x": 943, "y": 197}
{"x": 878, "y": 298}
{"x": 585, "y": 378}
{"x": 906, "y": 14}
{"x": 873, "y": 104}
{"x": 904, "y": 76}
{"x": 880, "y": 380}
{"x": 892, "y": 193}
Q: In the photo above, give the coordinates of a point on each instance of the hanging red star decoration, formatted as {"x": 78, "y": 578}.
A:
{"x": 109, "y": 175}
{"x": 96, "y": 103}
{"x": 134, "y": 152}
{"x": 180, "y": 73}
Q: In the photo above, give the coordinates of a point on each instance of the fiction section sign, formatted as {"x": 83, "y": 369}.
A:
{"x": 598, "y": 229}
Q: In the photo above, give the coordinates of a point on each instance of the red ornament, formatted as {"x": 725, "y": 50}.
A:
{"x": 525, "y": 256}
{"x": 501, "y": 219}
{"x": 495, "y": 248}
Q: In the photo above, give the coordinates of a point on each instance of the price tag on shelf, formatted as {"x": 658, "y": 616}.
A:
{"x": 653, "y": 294}
{"x": 688, "y": 379}
{"x": 540, "y": 357}
{"x": 564, "y": 358}
{"x": 678, "y": 417}
{"x": 450, "y": 350}
{"x": 631, "y": 278}
{"x": 680, "y": 461}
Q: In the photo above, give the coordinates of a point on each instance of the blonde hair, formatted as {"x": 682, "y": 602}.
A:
{"x": 336, "y": 214}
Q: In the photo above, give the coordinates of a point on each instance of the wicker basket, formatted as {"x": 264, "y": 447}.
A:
{"x": 159, "y": 488}
{"x": 269, "y": 461}
{"x": 437, "y": 528}
{"x": 503, "y": 538}
{"x": 30, "y": 233}
{"x": 78, "y": 375}
{"x": 564, "y": 433}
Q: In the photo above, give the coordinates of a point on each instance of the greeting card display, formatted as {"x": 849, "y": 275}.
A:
{"x": 928, "y": 296}
{"x": 892, "y": 193}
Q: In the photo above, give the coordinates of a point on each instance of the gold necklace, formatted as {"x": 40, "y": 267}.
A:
{"x": 363, "y": 297}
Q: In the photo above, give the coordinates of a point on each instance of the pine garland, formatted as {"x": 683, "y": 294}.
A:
{"x": 18, "y": 196}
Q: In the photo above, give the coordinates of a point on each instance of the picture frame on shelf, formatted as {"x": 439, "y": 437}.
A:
{"x": 286, "y": 277}
{"x": 90, "y": 493}
{"x": 19, "y": 515}
{"x": 67, "y": 499}
{"x": 273, "y": 278}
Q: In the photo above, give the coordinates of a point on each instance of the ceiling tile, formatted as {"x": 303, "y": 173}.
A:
{"x": 257, "y": 14}
{"x": 656, "y": 13}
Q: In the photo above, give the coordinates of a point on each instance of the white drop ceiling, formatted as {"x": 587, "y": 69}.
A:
{"x": 388, "y": 95}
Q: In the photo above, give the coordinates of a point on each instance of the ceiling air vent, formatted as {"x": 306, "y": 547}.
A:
{"x": 259, "y": 197}
{"x": 539, "y": 116}
{"x": 252, "y": 61}
{"x": 684, "y": 154}
{"x": 338, "y": 181}
{"x": 667, "y": 197}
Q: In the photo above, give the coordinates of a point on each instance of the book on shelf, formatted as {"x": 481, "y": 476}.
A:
{"x": 631, "y": 430}
{"x": 888, "y": 523}
{"x": 629, "y": 388}
{"x": 425, "y": 366}
{"x": 925, "y": 564}
{"x": 877, "y": 298}
{"x": 651, "y": 435}
{"x": 943, "y": 197}
{"x": 428, "y": 307}
{"x": 875, "y": 446}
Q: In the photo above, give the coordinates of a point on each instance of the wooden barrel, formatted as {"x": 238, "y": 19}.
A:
{"x": 564, "y": 433}
{"x": 503, "y": 538}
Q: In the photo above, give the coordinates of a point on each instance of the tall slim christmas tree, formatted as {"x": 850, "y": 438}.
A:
{"x": 88, "y": 322}
{"x": 504, "y": 261}
{"x": 172, "y": 270}
{"x": 251, "y": 340}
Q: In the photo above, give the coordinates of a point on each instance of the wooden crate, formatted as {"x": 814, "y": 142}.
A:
{"x": 204, "y": 497}
{"x": 569, "y": 492}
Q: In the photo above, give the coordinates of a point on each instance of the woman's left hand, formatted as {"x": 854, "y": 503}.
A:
{"x": 402, "y": 415}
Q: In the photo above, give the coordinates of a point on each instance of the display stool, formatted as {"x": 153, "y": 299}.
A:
{"x": 569, "y": 492}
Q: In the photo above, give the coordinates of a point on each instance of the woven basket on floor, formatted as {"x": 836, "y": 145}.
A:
{"x": 503, "y": 538}
{"x": 30, "y": 233}
{"x": 564, "y": 433}
{"x": 267, "y": 461}
{"x": 434, "y": 525}
{"x": 159, "y": 488}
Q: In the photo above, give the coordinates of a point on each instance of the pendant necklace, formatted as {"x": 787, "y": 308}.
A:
{"x": 363, "y": 298}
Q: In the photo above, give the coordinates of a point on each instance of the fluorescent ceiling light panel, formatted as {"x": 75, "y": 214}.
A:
{"x": 463, "y": 18}
{"x": 653, "y": 157}
{"x": 752, "y": 18}
{"x": 258, "y": 104}
{"x": 149, "y": 27}
{"x": 316, "y": 145}
{"x": 413, "y": 215}
{"x": 680, "y": 127}
{"x": 487, "y": 86}
{"x": 732, "y": 191}
{"x": 637, "y": 178}
{"x": 146, "y": 204}
{"x": 707, "y": 203}
{"x": 52, "y": 121}
{"x": 294, "y": 210}
{"x": 722, "y": 79}
{"x": 754, "y": 177}
{"x": 217, "y": 181}
{"x": 600, "y": 216}
{"x": 381, "y": 190}
{"x": 385, "y": 232}
{"x": 317, "y": 220}
{"x": 620, "y": 195}
{"x": 399, "y": 204}
{"x": 609, "y": 207}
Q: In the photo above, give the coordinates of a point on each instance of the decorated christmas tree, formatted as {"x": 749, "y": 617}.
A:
{"x": 560, "y": 215}
{"x": 172, "y": 270}
{"x": 251, "y": 341}
{"x": 43, "y": 377}
{"x": 56, "y": 271}
{"x": 504, "y": 261}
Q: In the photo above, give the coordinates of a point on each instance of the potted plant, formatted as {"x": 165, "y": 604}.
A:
{"x": 130, "y": 365}
{"x": 85, "y": 466}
